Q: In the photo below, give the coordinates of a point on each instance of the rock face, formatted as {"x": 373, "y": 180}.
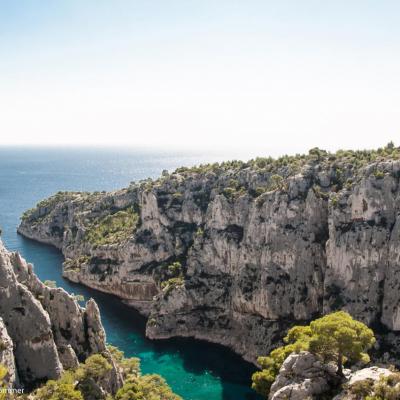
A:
{"x": 7, "y": 356}
{"x": 43, "y": 330}
{"x": 303, "y": 376}
{"x": 261, "y": 246}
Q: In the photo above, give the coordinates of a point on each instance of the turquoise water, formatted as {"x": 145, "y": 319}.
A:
{"x": 195, "y": 370}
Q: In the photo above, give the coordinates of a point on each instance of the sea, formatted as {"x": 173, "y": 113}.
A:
{"x": 194, "y": 369}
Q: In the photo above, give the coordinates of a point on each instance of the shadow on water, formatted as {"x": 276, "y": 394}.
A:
{"x": 193, "y": 368}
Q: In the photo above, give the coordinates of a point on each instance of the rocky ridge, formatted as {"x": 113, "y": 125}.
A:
{"x": 234, "y": 253}
{"x": 303, "y": 376}
{"x": 43, "y": 330}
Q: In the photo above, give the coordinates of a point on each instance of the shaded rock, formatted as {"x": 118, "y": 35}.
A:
{"x": 29, "y": 327}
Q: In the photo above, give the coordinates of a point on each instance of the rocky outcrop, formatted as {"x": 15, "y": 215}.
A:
{"x": 43, "y": 329}
{"x": 303, "y": 376}
{"x": 261, "y": 246}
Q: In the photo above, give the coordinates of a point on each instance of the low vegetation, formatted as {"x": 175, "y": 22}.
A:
{"x": 90, "y": 381}
{"x": 44, "y": 206}
{"x": 336, "y": 338}
{"x": 386, "y": 388}
{"x": 50, "y": 284}
{"x": 172, "y": 277}
{"x": 3, "y": 374}
{"x": 293, "y": 164}
{"x": 233, "y": 179}
{"x": 113, "y": 228}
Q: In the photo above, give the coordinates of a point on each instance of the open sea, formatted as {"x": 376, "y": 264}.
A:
{"x": 195, "y": 370}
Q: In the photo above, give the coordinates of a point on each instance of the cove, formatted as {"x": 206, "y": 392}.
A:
{"x": 195, "y": 370}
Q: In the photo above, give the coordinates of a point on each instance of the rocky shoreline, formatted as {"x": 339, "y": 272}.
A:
{"x": 256, "y": 246}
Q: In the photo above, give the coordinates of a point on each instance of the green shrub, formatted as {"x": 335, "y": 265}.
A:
{"x": 200, "y": 232}
{"x": 276, "y": 182}
{"x": 386, "y": 388}
{"x": 361, "y": 389}
{"x": 78, "y": 297}
{"x": 95, "y": 367}
{"x": 3, "y": 374}
{"x": 86, "y": 382}
{"x": 379, "y": 174}
{"x": 129, "y": 366}
{"x": 62, "y": 389}
{"x": 175, "y": 269}
{"x": 171, "y": 284}
{"x": 320, "y": 193}
{"x": 334, "y": 201}
{"x": 114, "y": 228}
{"x": 260, "y": 190}
{"x": 146, "y": 387}
{"x": 50, "y": 284}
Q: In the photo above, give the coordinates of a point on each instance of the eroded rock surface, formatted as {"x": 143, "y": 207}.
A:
{"x": 303, "y": 376}
{"x": 44, "y": 329}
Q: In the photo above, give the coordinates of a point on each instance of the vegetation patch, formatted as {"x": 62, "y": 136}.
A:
{"x": 114, "y": 228}
{"x": 76, "y": 263}
{"x": 172, "y": 277}
{"x": 45, "y": 206}
{"x": 89, "y": 382}
{"x": 386, "y": 388}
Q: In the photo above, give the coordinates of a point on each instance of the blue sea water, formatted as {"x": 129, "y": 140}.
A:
{"x": 195, "y": 370}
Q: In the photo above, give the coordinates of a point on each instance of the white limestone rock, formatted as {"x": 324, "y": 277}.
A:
{"x": 303, "y": 376}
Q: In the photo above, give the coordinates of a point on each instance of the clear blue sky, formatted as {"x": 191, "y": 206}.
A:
{"x": 267, "y": 75}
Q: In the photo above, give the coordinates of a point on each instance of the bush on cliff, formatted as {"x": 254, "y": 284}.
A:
{"x": 336, "y": 338}
{"x": 146, "y": 387}
{"x": 81, "y": 384}
{"x": 62, "y": 389}
{"x": 3, "y": 374}
{"x": 386, "y": 388}
{"x": 85, "y": 382}
{"x": 113, "y": 228}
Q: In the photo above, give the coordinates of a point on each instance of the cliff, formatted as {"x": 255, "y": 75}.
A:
{"x": 236, "y": 252}
{"x": 43, "y": 330}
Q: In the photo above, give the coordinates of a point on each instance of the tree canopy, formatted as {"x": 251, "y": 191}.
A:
{"x": 85, "y": 382}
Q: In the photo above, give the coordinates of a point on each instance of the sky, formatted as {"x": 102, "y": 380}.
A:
{"x": 272, "y": 76}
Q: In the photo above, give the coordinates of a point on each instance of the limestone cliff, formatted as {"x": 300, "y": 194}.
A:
{"x": 43, "y": 330}
{"x": 236, "y": 252}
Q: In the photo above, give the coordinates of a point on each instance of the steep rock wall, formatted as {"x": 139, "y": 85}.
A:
{"x": 44, "y": 329}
